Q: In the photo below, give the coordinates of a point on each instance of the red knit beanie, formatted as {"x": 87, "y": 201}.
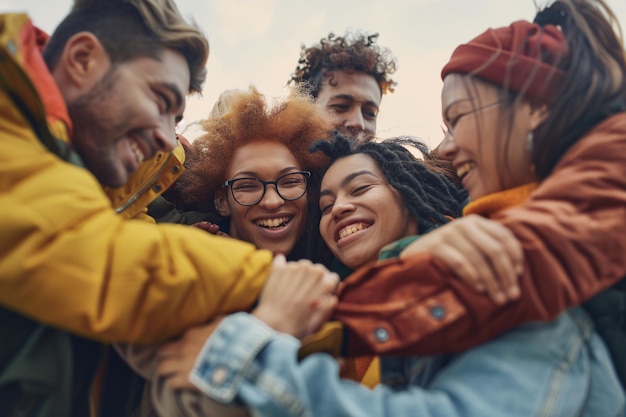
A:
{"x": 523, "y": 57}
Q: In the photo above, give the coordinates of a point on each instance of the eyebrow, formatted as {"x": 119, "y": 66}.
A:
{"x": 445, "y": 112}
{"x": 253, "y": 174}
{"x": 352, "y": 98}
{"x": 347, "y": 180}
{"x": 179, "y": 97}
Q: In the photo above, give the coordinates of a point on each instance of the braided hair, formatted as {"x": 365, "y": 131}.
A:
{"x": 431, "y": 197}
{"x": 432, "y": 159}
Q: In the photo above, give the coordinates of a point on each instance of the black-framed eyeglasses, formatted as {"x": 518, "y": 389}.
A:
{"x": 249, "y": 191}
{"x": 449, "y": 127}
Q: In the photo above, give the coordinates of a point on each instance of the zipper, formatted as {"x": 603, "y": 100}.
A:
{"x": 145, "y": 188}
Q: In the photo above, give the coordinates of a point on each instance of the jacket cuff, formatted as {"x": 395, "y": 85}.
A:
{"x": 227, "y": 356}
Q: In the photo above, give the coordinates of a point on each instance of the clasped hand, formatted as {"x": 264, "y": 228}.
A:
{"x": 297, "y": 299}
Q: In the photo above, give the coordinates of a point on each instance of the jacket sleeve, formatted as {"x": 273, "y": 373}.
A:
{"x": 573, "y": 232}
{"x": 526, "y": 369}
{"x": 67, "y": 260}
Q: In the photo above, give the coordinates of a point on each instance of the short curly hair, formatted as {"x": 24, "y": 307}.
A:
{"x": 353, "y": 52}
{"x": 294, "y": 121}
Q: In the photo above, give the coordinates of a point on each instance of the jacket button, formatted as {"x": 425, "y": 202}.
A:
{"x": 219, "y": 376}
{"x": 438, "y": 312}
{"x": 381, "y": 335}
{"x": 156, "y": 188}
{"x": 11, "y": 47}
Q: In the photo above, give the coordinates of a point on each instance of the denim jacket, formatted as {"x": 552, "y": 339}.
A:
{"x": 556, "y": 368}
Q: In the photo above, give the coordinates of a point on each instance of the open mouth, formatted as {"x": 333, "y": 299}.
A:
{"x": 275, "y": 223}
{"x": 351, "y": 229}
{"x": 464, "y": 169}
{"x": 139, "y": 155}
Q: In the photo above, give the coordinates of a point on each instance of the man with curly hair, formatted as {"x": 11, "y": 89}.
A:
{"x": 347, "y": 75}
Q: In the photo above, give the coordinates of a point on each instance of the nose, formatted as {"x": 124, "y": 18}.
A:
{"x": 354, "y": 120}
{"x": 447, "y": 148}
{"x": 165, "y": 135}
{"x": 341, "y": 207}
{"x": 271, "y": 200}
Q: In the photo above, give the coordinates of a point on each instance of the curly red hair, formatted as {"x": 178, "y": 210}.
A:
{"x": 294, "y": 121}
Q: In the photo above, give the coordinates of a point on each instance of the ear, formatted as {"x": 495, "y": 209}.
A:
{"x": 83, "y": 61}
{"x": 538, "y": 114}
{"x": 221, "y": 203}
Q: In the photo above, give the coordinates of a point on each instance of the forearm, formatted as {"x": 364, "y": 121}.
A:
{"x": 574, "y": 236}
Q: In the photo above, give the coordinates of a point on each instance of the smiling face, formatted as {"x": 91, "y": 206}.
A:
{"x": 272, "y": 223}
{"x": 353, "y": 98}
{"x": 361, "y": 212}
{"x": 486, "y": 143}
{"x": 129, "y": 114}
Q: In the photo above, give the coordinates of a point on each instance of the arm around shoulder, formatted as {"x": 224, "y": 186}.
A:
{"x": 69, "y": 261}
{"x": 573, "y": 233}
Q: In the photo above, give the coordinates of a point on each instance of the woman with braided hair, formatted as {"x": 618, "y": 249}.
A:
{"x": 429, "y": 198}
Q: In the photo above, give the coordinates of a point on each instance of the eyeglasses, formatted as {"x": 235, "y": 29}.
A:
{"x": 249, "y": 191}
{"x": 448, "y": 129}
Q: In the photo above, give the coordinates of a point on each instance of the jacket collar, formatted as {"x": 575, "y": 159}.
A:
{"x": 30, "y": 43}
{"x": 490, "y": 204}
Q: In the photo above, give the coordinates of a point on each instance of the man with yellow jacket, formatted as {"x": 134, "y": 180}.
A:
{"x": 98, "y": 104}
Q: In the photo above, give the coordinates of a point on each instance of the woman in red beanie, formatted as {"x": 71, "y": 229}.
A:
{"x": 536, "y": 114}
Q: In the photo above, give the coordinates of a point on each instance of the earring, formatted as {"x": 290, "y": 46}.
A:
{"x": 530, "y": 142}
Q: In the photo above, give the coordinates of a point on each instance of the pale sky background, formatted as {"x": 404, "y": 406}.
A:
{"x": 258, "y": 42}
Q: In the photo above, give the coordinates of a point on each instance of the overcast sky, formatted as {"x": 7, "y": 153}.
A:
{"x": 258, "y": 42}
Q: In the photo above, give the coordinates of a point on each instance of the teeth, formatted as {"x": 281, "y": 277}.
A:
{"x": 278, "y": 222}
{"x": 464, "y": 169}
{"x": 138, "y": 154}
{"x": 353, "y": 228}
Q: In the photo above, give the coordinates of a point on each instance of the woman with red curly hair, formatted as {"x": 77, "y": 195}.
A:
{"x": 252, "y": 166}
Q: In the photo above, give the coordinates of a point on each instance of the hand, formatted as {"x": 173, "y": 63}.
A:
{"x": 298, "y": 297}
{"x": 483, "y": 253}
{"x": 212, "y": 228}
{"x": 177, "y": 359}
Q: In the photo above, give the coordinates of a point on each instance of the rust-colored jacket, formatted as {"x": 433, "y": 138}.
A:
{"x": 573, "y": 231}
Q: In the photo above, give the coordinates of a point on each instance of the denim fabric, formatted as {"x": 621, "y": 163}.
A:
{"x": 559, "y": 368}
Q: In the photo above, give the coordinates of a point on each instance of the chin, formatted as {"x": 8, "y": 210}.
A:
{"x": 355, "y": 262}
{"x": 284, "y": 249}
{"x": 109, "y": 175}
{"x": 114, "y": 181}
{"x": 350, "y": 262}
